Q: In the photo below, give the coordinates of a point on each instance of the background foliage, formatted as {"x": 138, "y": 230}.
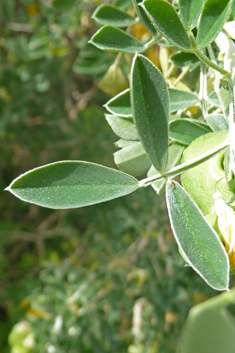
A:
{"x": 78, "y": 277}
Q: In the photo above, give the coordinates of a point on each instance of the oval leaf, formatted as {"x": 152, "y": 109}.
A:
{"x": 190, "y": 12}
{"x": 217, "y": 122}
{"x": 123, "y": 143}
{"x": 186, "y": 130}
{"x": 182, "y": 59}
{"x": 225, "y": 98}
{"x": 150, "y": 105}
{"x": 143, "y": 17}
{"x": 71, "y": 184}
{"x": 109, "y": 15}
{"x": 214, "y": 99}
{"x": 181, "y": 99}
{"x": 198, "y": 242}
{"x": 121, "y": 104}
{"x": 132, "y": 159}
{"x": 167, "y": 21}
{"x": 122, "y": 4}
{"x": 214, "y": 15}
{"x": 200, "y": 181}
{"x": 114, "y": 39}
{"x": 124, "y": 128}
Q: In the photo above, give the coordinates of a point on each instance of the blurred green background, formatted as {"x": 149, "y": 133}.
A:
{"x": 106, "y": 278}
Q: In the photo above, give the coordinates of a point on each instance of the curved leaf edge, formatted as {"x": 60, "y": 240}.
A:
{"x": 11, "y": 190}
{"x": 184, "y": 254}
{"x": 106, "y": 105}
{"x": 138, "y": 55}
{"x": 113, "y": 7}
{"x": 141, "y": 45}
{"x": 177, "y": 46}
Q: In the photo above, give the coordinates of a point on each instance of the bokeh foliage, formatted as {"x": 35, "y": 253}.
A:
{"x": 77, "y": 276}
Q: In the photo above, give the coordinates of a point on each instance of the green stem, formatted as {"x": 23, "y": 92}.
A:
{"x": 217, "y": 302}
{"x": 203, "y": 89}
{"x": 183, "y": 73}
{"x": 185, "y": 166}
{"x": 118, "y": 58}
{"x": 169, "y": 72}
{"x": 210, "y": 63}
{"x": 151, "y": 42}
{"x": 195, "y": 50}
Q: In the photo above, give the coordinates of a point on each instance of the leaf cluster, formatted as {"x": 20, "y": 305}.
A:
{"x": 156, "y": 116}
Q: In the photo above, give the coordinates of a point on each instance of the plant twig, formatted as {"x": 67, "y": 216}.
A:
{"x": 179, "y": 78}
{"x": 203, "y": 89}
{"x": 210, "y": 63}
{"x": 185, "y": 166}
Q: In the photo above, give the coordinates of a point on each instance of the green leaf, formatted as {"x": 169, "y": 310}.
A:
{"x": 123, "y": 143}
{"x": 210, "y": 327}
{"x": 190, "y": 12}
{"x": 109, "y": 15}
{"x": 167, "y": 21}
{"x": 150, "y": 105}
{"x": 181, "y": 99}
{"x": 114, "y": 39}
{"x": 228, "y": 173}
{"x": 198, "y": 242}
{"x": 175, "y": 153}
{"x": 71, "y": 184}
{"x": 186, "y": 130}
{"x": 143, "y": 17}
{"x": 200, "y": 181}
{"x": 203, "y": 124}
{"x": 214, "y": 99}
{"x": 166, "y": 44}
{"x": 217, "y": 122}
{"x": 232, "y": 15}
{"x": 214, "y": 15}
{"x": 133, "y": 159}
{"x": 64, "y": 5}
{"x": 124, "y": 128}
{"x": 182, "y": 59}
{"x": 122, "y": 4}
{"x": 120, "y": 105}
{"x": 225, "y": 98}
